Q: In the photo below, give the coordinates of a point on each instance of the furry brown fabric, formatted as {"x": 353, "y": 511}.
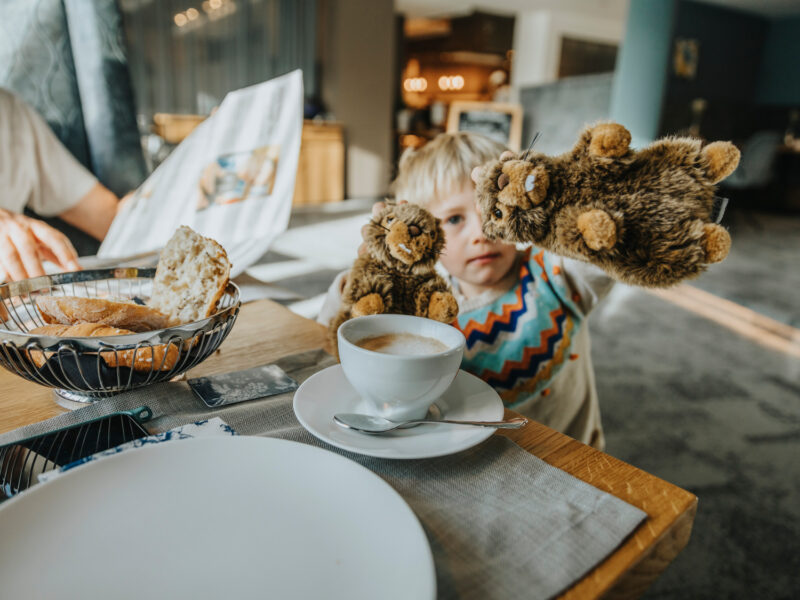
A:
{"x": 397, "y": 274}
{"x": 643, "y": 216}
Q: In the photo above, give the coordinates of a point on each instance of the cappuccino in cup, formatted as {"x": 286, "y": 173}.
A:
{"x": 399, "y": 364}
{"x": 402, "y": 343}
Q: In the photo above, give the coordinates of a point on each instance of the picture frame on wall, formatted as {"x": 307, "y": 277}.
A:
{"x": 500, "y": 121}
{"x": 685, "y": 58}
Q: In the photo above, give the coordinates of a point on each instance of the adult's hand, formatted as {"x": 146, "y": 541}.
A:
{"x": 26, "y": 242}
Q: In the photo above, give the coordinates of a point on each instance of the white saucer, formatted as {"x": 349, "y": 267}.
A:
{"x": 328, "y": 392}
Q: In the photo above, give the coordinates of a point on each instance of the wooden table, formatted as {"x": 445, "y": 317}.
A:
{"x": 266, "y": 331}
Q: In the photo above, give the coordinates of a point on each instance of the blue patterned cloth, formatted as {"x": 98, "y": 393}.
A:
{"x": 207, "y": 428}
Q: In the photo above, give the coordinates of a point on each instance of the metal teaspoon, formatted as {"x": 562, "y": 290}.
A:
{"x": 373, "y": 424}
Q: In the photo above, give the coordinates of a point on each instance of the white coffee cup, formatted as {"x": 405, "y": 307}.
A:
{"x": 399, "y": 386}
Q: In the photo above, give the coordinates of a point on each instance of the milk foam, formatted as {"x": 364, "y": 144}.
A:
{"x": 402, "y": 343}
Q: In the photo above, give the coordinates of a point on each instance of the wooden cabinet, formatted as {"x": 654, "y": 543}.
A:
{"x": 320, "y": 168}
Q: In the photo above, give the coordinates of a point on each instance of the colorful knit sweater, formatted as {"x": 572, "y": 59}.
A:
{"x": 519, "y": 341}
{"x": 531, "y": 343}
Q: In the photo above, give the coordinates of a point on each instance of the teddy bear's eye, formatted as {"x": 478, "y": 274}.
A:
{"x": 498, "y": 214}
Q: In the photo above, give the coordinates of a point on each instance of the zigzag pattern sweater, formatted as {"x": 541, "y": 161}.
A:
{"x": 530, "y": 343}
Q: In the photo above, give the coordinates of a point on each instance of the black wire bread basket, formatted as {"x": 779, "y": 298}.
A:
{"x": 83, "y": 369}
{"x": 22, "y": 462}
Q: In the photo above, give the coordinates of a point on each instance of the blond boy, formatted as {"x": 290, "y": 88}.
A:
{"x": 522, "y": 311}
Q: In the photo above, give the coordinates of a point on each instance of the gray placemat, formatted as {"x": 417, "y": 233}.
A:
{"x": 501, "y": 522}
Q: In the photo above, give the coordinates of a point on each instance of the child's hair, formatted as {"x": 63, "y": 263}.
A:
{"x": 442, "y": 166}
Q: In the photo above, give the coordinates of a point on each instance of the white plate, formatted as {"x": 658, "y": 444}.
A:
{"x": 215, "y": 518}
{"x": 328, "y": 392}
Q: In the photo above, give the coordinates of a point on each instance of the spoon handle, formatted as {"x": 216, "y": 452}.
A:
{"x": 514, "y": 423}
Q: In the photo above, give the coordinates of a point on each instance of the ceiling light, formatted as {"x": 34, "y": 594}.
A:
{"x": 451, "y": 82}
{"x": 415, "y": 84}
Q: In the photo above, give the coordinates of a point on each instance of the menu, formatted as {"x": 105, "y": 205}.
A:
{"x": 232, "y": 179}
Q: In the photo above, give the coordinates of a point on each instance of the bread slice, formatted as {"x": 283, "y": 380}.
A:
{"x": 124, "y": 314}
{"x": 159, "y": 358}
{"x": 191, "y": 277}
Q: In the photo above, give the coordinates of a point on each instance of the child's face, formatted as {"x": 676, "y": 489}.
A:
{"x": 468, "y": 255}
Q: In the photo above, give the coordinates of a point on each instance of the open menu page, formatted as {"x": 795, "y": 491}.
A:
{"x": 232, "y": 179}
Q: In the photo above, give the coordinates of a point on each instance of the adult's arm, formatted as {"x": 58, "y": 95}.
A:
{"x": 94, "y": 212}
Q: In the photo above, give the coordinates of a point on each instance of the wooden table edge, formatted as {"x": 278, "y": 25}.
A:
{"x": 634, "y": 565}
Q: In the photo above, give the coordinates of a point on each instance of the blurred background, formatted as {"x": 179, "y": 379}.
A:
{"x": 699, "y": 385}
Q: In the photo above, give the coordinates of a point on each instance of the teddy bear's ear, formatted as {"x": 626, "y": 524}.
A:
{"x": 476, "y": 174}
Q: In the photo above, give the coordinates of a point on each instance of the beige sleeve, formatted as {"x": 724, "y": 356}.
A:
{"x": 591, "y": 283}
{"x": 61, "y": 181}
{"x": 333, "y": 300}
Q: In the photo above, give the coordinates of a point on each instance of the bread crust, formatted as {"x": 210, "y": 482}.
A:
{"x": 69, "y": 310}
{"x": 159, "y": 358}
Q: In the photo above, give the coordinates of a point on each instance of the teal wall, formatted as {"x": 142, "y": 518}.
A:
{"x": 641, "y": 74}
{"x": 779, "y": 82}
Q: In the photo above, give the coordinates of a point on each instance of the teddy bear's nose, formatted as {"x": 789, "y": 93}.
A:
{"x": 413, "y": 230}
{"x": 502, "y": 181}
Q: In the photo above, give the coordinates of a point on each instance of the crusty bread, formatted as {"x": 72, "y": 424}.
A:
{"x": 191, "y": 277}
{"x": 122, "y": 314}
{"x": 146, "y": 358}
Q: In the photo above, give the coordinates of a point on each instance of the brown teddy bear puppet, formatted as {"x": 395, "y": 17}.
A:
{"x": 397, "y": 272}
{"x": 643, "y": 216}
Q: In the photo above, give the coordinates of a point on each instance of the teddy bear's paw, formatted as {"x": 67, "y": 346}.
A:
{"x": 716, "y": 242}
{"x": 610, "y": 140}
{"x": 522, "y": 185}
{"x": 371, "y": 304}
{"x": 722, "y": 158}
{"x": 442, "y": 307}
{"x": 598, "y": 229}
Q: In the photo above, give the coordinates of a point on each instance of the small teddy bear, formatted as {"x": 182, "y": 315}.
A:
{"x": 397, "y": 272}
{"x": 643, "y": 216}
